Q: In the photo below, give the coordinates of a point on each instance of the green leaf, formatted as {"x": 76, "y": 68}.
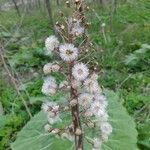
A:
{"x": 144, "y": 135}
{"x": 124, "y": 136}
{"x": 33, "y": 137}
{"x": 38, "y": 98}
{"x": 131, "y": 59}
{"x": 3, "y": 121}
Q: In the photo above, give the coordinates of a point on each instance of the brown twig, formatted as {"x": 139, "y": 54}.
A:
{"x": 13, "y": 81}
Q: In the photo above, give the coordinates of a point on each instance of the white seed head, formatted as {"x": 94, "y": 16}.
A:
{"x": 91, "y": 86}
{"x": 106, "y": 129}
{"x": 51, "y": 43}
{"x": 97, "y": 143}
{"x": 51, "y": 67}
{"x": 45, "y": 107}
{"x": 97, "y": 107}
{"x": 77, "y": 30}
{"x": 68, "y": 52}
{"x": 49, "y": 86}
{"x": 80, "y": 71}
{"x": 102, "y": 99}
{"x": 50, "y": 106}
{"x": 85, "y": 99}
{"x": 52, "y": 111}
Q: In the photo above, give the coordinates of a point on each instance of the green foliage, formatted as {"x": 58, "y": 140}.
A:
{"x": 8, "y": 125}
{"x": 139, "y": 56}
{"x": 124, "y": 136}
{"x": 144, "y": 136}
{"x": 33, "y": 136}
{"x": 27, "y": 58}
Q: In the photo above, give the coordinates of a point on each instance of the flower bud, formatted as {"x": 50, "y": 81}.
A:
{"x": 55, "y": 131}
{"x": 62, "y": 27}
{"x": 103, "y": 25}
{"x": 73, "y": 102}
{"x": 78, "y": 131}
{"x": 68, "y": 3}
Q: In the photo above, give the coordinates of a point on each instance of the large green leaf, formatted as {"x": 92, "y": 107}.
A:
{"x": 124, "y": 136}
{"x": 33, "y": 137}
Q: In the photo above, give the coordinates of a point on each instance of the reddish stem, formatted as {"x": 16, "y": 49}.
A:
{"x": 75, "y": 114}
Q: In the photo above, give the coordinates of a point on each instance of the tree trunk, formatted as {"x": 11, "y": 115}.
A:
{"x": 17, "y": 8}
{"x": 23, "y": 4}
{"x": 57, "y": 2}
{"x": 39, "y": 3}
{"x": 115, "y": 6}
{"x": 49, "y": 10}
{"x": 101, "y": 2}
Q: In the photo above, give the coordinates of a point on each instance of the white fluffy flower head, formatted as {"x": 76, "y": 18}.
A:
{"x": 92, "y": 86}
{"x": 49, "y": 106}
{"x": 97, "y": 143}
{"x": 51, "y": 43}
{"x": 68, "y": 52}
{"x": 96, "y": 107}
{"x": 51, "y": 67}
{"x": 77, "y": 28}
{"x": 85, "y": 99}
{"x": 102, "y": 99}
{"x": 80, "y": 71}
{"x": 106, "y": 130}
{"x": 49, "y": 86}
{"x": 52, "y": 111}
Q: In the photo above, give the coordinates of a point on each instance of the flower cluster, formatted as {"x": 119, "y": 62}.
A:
{"x": 49, "y": 87}
{"x": 75, "y": 27}
{"x": 68, "y": 52}
{"x": 51, "y": 43}
{"x": 86, "y": 100}
{"x": 51, "y": 67}
{"x": 95, "y": 104}
{"x": 52, "y": 111}
{"x": 91, "y": 99}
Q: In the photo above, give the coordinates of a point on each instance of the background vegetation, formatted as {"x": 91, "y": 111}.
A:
{"x": 124, "y": 61}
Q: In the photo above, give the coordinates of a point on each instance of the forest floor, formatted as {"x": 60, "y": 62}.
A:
{"x": 123, "y": 70}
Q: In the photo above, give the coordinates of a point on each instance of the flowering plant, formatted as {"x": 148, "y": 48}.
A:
{"x": 86, "y": 102}
{"x": 75, "y": 115}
